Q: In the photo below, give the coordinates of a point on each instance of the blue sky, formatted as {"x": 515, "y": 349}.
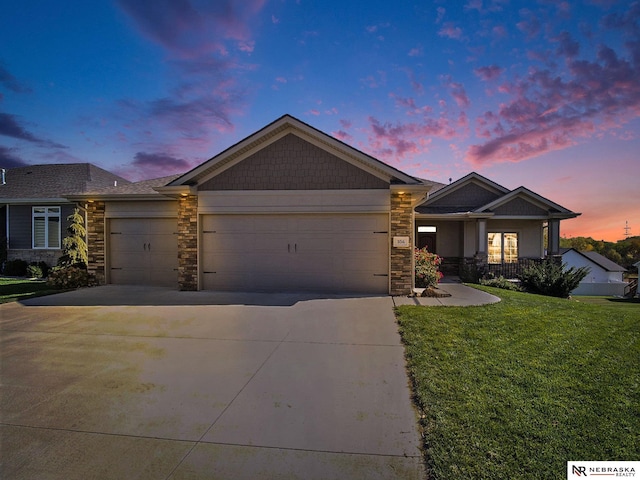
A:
{"x": 544, "y": 94}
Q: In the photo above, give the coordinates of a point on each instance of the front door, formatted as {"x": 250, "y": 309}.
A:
{"x": 427, "y": 240}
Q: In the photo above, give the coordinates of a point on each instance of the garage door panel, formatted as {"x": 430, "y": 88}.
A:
{"x": 322, "y": 252}
{"x": 143, "y": 251}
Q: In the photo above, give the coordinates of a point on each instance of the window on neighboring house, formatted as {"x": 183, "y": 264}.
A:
{"x": 502, "y": 247}
{"x": 46, "y": 227}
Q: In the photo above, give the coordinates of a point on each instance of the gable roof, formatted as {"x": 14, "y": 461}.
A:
{"x": 54, "y": 181}
{"x": 598, "y": 259}
{"x": 278, "y": 129}
{"x": 552, "y": 209}
{"x": 463, "y": 196}
{"x": 476, "y": 196}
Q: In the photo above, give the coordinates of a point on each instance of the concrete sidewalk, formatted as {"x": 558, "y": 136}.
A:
{"x": 461, "y": 296}
{"x": 258, "y": 387}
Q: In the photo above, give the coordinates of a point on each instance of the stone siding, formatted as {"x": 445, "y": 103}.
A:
{"x": 188, "y": 243}
{"x": 292, "y": 163}
{"x": 48, "y": 256}
{"x": 95, "y": 241}
{"x": 401, "y": 275}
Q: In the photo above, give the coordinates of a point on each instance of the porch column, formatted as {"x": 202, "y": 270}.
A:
{"x": 95, "y": 242}
{"x": 188, "y": 242}
{"x": 554, "y": 237}
{"x": 401, "y": 274}
{"x": 481, "y": 250}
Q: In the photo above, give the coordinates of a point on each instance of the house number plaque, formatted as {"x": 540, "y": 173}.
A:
{"x": 401, "y": 242}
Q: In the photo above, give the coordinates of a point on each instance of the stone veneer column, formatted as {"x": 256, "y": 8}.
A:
{"x": 188, "y": 242}
{"x": 95, "y": 241}
{"x": 401, "y": 275}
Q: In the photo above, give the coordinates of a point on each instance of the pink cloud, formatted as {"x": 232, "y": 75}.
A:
{"x": 398, "y": 141}
{"x": 459, "y": 94}
{"x": 490, "y": 72}
{"x": 247, "y": 46}
{"x": 548, "y": 112}
{"x": 449, "y": 30}
{"x": 189, "y": 29}
{"x": 499, "y": 31}
{"x": 343, "y": 136}
{"x": 531, "y": 25}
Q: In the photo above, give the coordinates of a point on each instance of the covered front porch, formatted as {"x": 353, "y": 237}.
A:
{"x": 502, "y": 247}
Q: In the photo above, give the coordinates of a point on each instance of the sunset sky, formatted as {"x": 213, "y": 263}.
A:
{"x": 544, "y": 94}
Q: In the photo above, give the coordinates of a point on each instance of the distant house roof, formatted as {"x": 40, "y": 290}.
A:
{"x": 55, "y": 181}
{"x": 143, "y": 187}
{"x": 598, "y": 259}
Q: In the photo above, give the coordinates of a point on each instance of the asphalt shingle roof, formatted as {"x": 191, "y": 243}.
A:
{"x": 56, "y": 180}
{"x": 143, "y": 187}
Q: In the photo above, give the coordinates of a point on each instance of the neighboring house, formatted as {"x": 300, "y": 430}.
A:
{"x": 476, "y": 221}
{"x": 604, "y": 278}
{"x": 33, "y": 207}
{"x": 290, "y": 208}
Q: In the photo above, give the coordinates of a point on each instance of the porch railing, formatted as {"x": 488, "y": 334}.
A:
{"x": 511, "y": 270}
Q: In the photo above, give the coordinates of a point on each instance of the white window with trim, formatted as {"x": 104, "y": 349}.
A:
{"x": 46, "y": 227}
{"x": 502, "y": 247}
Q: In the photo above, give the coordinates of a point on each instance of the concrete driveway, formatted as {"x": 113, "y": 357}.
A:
{"x": 94, "y": 386}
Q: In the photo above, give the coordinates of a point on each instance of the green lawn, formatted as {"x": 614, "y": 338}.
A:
{"x": 12, "y": 289}
{"x": 518, "y": 388}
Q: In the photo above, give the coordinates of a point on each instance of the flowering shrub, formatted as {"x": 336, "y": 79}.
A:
{"x": 427, "y": 273}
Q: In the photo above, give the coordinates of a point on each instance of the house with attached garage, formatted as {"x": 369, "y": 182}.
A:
{"x": 33, "y": 207}
{"x": 290, "y": 208}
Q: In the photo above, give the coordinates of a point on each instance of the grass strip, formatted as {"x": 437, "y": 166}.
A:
{"x": 15, "y": 289}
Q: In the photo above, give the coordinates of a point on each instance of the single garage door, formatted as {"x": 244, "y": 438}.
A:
{"x": 143, "y": 251}
{"x": 321, "y": 253}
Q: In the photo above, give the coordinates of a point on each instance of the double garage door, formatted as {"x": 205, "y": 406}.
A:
{"x": 315, "y": 252}
{"x": 343, "y": 253}
{"x": 143, "y": 251}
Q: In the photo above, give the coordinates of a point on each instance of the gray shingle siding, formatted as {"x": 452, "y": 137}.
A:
{"x": 292, "y": 163}
{"x": 465, "y": 199}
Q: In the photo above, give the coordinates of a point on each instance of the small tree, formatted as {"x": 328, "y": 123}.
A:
{"x": 427, "y": 273}
{"x": 552, "y": 278}
{"x": 74, "y": 248}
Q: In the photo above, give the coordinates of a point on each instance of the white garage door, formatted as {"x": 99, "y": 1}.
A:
{"x": 143, "y": 251}
{"x": 322, "y": 253}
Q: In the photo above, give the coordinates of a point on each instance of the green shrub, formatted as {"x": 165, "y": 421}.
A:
{"x": 500, "y": 282}
{"x": 74, "y": 248}
{"x": 71, "y": 276}
{"x": 37, "y": 270}
{"x": 552, "y": 278}
{"x": 34, "y": 271}
{"x": 470, "y": 273}
{"x": 427, "y": 273}
{"x": 15, "y": 268}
